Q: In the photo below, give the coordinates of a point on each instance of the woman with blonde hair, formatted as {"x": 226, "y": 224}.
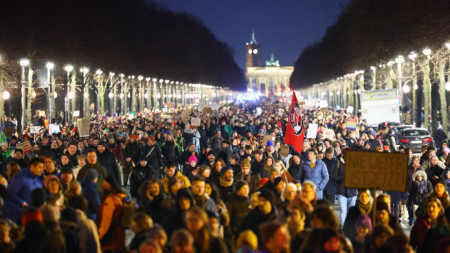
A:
{"x": 141, "y": 224}
{"x": 363, "y": 206}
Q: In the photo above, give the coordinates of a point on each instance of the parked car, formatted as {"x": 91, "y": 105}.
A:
{"x": 415, "y": 138}
{"x": 401, "y": 128}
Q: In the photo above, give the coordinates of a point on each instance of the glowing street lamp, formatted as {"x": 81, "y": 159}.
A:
{"x": 6, "y": 95}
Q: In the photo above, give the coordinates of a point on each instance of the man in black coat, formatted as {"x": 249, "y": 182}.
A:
{"x": 226, "y": 152}
{"x": 132, "y": 149}
{"x": 152, "y": 154}
{"x": 332, "y": 166}
{"x": 108, "y": 160}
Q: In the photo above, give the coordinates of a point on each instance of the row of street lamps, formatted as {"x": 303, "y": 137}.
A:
{"x": 146, "y": 92}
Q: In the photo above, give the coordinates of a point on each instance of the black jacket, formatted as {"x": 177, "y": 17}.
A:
{"x": 168, "y": 151}
{"x": 238, "y": 208}
{"x": 108, "y": 160}
{"x": 153, "y": 156}
{"x": 132, "y": 150}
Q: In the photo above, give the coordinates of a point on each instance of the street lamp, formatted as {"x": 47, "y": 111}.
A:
{"x": 6, "y": 95}
{"x": 426, "y": 52}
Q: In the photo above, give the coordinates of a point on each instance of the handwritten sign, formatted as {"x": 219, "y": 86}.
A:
{"x": 329, "y": 134}
{"x": 312, "y": 131}
{"x": 53, "y": 129}
{"x": 385, "y": 171}
{"x": 284, "y": 150}
{"x": 84, "y": 125}
{"x": 195, "y": 121}
{"x": 268, "y": 138}
{"x": 25, "y": 146}
{"x": 35, "y": 129}
{"x": 76, "y": 113}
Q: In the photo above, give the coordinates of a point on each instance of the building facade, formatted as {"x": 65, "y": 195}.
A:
{"x": 269, "y": 80}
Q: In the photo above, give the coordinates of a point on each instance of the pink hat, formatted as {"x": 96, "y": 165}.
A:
{"x": 192, "y": 158}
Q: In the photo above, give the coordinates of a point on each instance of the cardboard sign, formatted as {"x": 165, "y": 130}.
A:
{"x": 207, "y": 110}
{"x": 53, "y": 129}
{"x": 84, "y": 125}
{"x": 9, "y": 131}
{"x": 329, "y": 134}
{"x": 312, "y": 131}
{"x": 25, "y": 146}
{"x": 268, "y": 138}
{"x": 385, "y": 171}
{"x": 351, "y": 124}
{"x": 35, "y": 129}
{"x": 41, "y": 113}
{"x": 195, "y": 121}
{"x": 185, "y": 115}
{"x": 284, "y": 150}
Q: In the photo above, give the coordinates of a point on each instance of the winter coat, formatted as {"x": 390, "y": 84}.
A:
{"x": 169, "y": 151}
{"x": 108, "y": 160}
{"x": 109, "y": 216}
{"x": 435, "y": 171}
{"x": 91, "y": 194}
{"x": 216, "y": 145}
{"x": 154, "y": 159}
{"x": 140, "y": 175}
{"x": 332, "y": 167}
{"x": 21, "y": 186}
{"x": 157, "y": 208}
{"x": 88, "y": 234}
{"x": 295, "y": 170}
{"x": 185, "y": 181}
{"x": 101, "y": 174}
{"x": 238, "y": 209}
{"x": 132, "y": 150}
{"x": 225, "y": 154}
{"x": 115, "y": 150}
{"x": 415, "y": 197}
{"x": 419, "y": 233}
{"x": 254, "y": 218}
{"x": 340, "y": 189}
{"x": 319, "y": 175}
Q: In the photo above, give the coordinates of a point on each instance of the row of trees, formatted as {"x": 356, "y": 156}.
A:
{"x": 132, "y": 36}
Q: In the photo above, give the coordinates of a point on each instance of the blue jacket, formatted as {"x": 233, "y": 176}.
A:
{"x": 91, "y": 194}
{"x": 319, "y": 175}
{"x": 20, "y": 188}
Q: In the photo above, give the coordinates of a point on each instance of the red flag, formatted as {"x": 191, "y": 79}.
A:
{"x": 295, "y": 131}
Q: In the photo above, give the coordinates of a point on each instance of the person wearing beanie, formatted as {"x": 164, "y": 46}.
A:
{"x": 192, "y": 167}
{"x": 109, "y": 161}
{"x": 271, "y": 152}
{"x": 225, "y": 152}
{"x": 245, "y": 175}
{"x": 89, "y": 191}
{"x": 184, "y": 158}
{"x": 91, "y": 163}
{"x": 265, "y": 211}
{"x": 295, "y": 166}
{"x": 384, "y": 217}
{"x": 225, "y": 183}
{"x": 274, "y": 237}
{"x": 239, "y": 205}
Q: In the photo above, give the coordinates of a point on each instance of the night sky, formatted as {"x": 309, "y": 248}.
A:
{"x": 282, "y": 27}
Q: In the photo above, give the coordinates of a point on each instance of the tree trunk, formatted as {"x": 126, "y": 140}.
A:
{"x": 426, "y": 94}
{"x": 73, "y": 85}
{"x": 29, "y": 96}
{"x": 52, "y": 99}
{"x": 102, "y": 96}
{"x": 133, "y": 98}
{"x": 442, "y": 96}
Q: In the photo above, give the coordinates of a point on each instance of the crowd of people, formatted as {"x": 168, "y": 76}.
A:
{"x": 159, "y": 184}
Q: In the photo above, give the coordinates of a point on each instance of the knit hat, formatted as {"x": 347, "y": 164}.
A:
{"x": 382, "y": 206}
{"x": 66, "y": 169}
{"x": 278, "y": 180}
{"x": 165, "y": 131}
{"x": 225, "y": 169}
{"x": 246, "y": 163}
{"x": 91, "y": 174}
{"x": 32, "y": 216}
{"x": 192, "y": 158}
{"x": 102, "y": 143}
{"x": 373, "y": 133}
{"x": 69, "y": 214}
{"x": 267, "y": 230}
{"x": 267, "y": 194}
{"x": 238, "y": 185}
{"x": 38, "y": 197}
{"x": 50, "y": 213}
{"x": 269, "y": 143}
{"x": 48, "y": 178}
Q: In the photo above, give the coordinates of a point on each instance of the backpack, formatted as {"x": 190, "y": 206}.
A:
{"x": 129, "y": 208}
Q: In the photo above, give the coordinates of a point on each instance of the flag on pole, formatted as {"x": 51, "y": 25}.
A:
{"x": 295, "y": 131}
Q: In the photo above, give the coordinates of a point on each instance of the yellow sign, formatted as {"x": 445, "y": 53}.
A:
{"x": 385, "y": 171}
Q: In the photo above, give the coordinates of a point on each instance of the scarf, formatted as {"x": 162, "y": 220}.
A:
{"x": 422, "y": 187}
{"x": 365, "y": 209}
{"x": 225, "y": 183}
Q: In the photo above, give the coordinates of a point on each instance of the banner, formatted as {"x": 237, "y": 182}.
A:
{"x": 351, "y": 124}
{"x": 294, "y": 130}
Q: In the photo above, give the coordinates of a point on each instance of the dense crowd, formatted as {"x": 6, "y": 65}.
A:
{"x": 227, "y": 185}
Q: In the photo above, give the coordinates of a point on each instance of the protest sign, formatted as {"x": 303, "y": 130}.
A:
{"x": 268, "y": 138}
{"x": 350, "y": 109}
{"x": 284, "y": 150}
{"x": 258, "y": 110}
{"x": 385, "y": 171}
{"x": 351, "y": 124}
{"x": 53, "y": 129}
{"x": 195, "y": 121}
{"x": 76, "y": 113}
{"x": 215, "y": 107}
{"x": 329, "y": 134}
{"x": 25, "y": 146}
{"x": 312, "y": 131}
{"x": 83, "y": 126}
{"x": 35, "y": 129}
{"x": 131, "y": 115}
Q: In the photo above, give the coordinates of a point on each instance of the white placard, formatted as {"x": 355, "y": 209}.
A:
{"x": 195, "y": 121}
{"x": 215, "y": 107}
{"x": 312, "y": 131}
{"x": 76, "y": 113}
{"x": 350, "y": 109}
{"x": 258, "y": 110}
{"x": 53, "y": 129}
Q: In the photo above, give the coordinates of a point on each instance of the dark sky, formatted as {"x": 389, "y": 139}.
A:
{"x": 282, "y": 27}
